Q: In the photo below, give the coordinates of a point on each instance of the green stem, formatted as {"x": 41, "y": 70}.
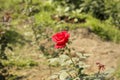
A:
{"x": 69, "y": 54}
{"x": 72, "y": 60}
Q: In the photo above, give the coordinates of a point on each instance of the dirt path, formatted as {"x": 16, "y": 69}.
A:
{"x": 104, "y": 52}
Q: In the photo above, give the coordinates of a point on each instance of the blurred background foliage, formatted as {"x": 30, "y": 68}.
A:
{"x": 101, "y": 9}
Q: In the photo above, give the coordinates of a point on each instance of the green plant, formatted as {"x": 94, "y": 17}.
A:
{"x": 20, "y": 63}
{"x": 73, "y": 66}
{"x": 115, "y": 14}
{"x": 8, "y": 37}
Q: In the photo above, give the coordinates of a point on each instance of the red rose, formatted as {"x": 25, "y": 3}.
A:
{"x": 61, "y": 38}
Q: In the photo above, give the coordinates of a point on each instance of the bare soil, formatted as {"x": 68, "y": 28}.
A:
{"x": 104, "y": 52}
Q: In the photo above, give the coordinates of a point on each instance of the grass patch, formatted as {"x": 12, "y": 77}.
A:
{"x": 16, "y": 62}
{"x": 105, "y": 30}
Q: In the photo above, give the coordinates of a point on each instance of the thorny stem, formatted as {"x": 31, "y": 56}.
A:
{"x": 70, "y": 56}
{"x": 72, "y": 60}
{"x": 98, "y": 73}
{"x": 50, "y": 69}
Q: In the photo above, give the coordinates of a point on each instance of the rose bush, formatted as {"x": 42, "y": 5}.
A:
{"x": 61, "y": 38}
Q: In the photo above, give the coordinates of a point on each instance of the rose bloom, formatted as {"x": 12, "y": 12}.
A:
{"x": 61, "y": 38}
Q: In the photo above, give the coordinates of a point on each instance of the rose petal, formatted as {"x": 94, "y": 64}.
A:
{"x": 67, "y": 35}
{"x": 60, "y": 46}
{"x": 63, "y": 41}
{"x": 58, "y": 36}
{"x": 55, "y": 38}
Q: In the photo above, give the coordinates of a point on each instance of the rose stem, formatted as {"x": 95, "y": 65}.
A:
{"x": 70, "y": 56}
